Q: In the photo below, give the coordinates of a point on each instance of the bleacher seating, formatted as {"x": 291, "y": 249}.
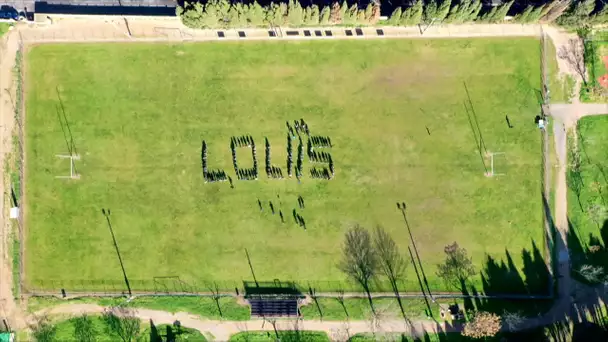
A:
{"x": 261, "y": 307}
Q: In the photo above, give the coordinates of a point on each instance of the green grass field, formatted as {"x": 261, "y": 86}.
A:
{"x": 588, "y": 194}
{"x": 102, "y": 332}
{"x": 4, "y": 27}
{"x": 287, "y": 336}
{"x": 137, "y": 114}
{"x": 596, "y": 50}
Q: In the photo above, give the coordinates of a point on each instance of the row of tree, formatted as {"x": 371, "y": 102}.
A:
{"x": 367, "y": 255}
{"x": 563, "y": 12}
{"x": 224, "y": 14}
{"x": 119, "y": 321}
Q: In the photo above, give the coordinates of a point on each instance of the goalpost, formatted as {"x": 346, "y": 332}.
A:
{"x": 492, "y": 156}
{"x": 73, "y": 173}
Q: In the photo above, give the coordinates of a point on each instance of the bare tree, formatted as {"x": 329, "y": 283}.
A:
{"x": 359, "y": 260}
{"x": 43, "y": 330}
{"x": 340, "y": 299}
{"x": 573, "y": 54}
{"x": 83, "y": 329}
{"x": 390, "y": 260}
{"x": 597, "y": 213}
{"x": 512, "y": 320}
{"x": 593, "y": 274}
{"x": 554, "y": 10}
{"x": 341, "y": 333}
{"x": 121, "y": 321}
{"x": 483, "y": 324}
{"x": 457, "y": 267}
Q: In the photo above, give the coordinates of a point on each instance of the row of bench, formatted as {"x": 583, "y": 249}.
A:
{"x": 305, "y": 33}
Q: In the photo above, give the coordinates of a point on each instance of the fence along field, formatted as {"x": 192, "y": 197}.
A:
{"x": 394, "y": 112}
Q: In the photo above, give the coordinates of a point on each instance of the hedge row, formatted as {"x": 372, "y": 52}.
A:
{"x": 224, "y": 14}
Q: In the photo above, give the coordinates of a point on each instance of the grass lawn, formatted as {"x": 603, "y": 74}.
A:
{"x": 283, "y": 336}
{"x": 588, "y": 194}
{"x": 532, "y": 335}
{"x": 4, "y": 27}
{"x": 358, "y": 309}
{"x": 595, "y": 51}
{"x": 137, "y": 114}
{"x": 329, "y": 309}
{"x": 102, "y": 333}
{"x": 451, "y": 337}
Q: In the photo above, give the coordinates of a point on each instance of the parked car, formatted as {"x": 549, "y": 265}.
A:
{"x": 9, "y": 13}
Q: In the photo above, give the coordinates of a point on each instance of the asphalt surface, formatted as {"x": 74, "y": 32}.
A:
{"x": 163, "y": 7}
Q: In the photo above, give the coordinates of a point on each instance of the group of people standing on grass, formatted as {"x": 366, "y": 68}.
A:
{"x": 213, "y": 175}
{"x": 298, "y": 127}
{"x": 320, "y": 157}
{"x": 244, "y": 141}
{"x": 294, "y": 132}
{"x": 272, "y": 171}
{"x": 296, "y": 216}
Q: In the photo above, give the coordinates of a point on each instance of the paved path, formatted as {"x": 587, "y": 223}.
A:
{"x": 575, "y": 300}
{"x": 122, "y": 30}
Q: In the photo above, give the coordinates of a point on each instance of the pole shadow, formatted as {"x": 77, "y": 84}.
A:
{"x": 72, "y": 145}
{"x": 106, "y": 213}
{"x": 477, "y": 142}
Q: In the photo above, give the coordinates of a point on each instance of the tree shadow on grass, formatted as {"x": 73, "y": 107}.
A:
{"x": 504, "y": 277}
{"x": 589, "y": 251}
{"x": 501, "y": 277}
{"x": 154, "y": 335}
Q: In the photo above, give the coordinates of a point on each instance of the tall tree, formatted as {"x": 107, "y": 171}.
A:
{"x": 295, "y": 13}
{"x": 335, "y": 14}
{"x": 554, "y": 10}
{"x": 324, "y": 18}
{"x": 573, "y": 53}
{"x": 413, "y": 15}
{"x": 255, "y": 14}
{"x": 121, "y": 321}
{"x": 457, "y": 267}
{"x": 83, "y": 329}
{"x": 464, "y": 11}
{"x": 390, "y": 260}
{"x": 395, "y": 17}
{"x": 359, "y": 259}
{"x": 43, "y": 330}
{"x": 578, "y": 14}
{"x": 443, "y": 10}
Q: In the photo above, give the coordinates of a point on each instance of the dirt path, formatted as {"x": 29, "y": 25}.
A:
{"x": 170, "y": 31}
{"x": 8, "y": 306}
{"x": 222, "y": 330}
{"x": 571, "y": 294}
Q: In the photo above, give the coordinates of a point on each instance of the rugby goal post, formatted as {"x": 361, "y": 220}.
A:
{"x": 73, "y": 173}
{"x": 492, "y": 156}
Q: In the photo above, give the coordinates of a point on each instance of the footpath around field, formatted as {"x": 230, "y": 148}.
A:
{"x": 222, "y": 330}
{"x": 572, "y": 298}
